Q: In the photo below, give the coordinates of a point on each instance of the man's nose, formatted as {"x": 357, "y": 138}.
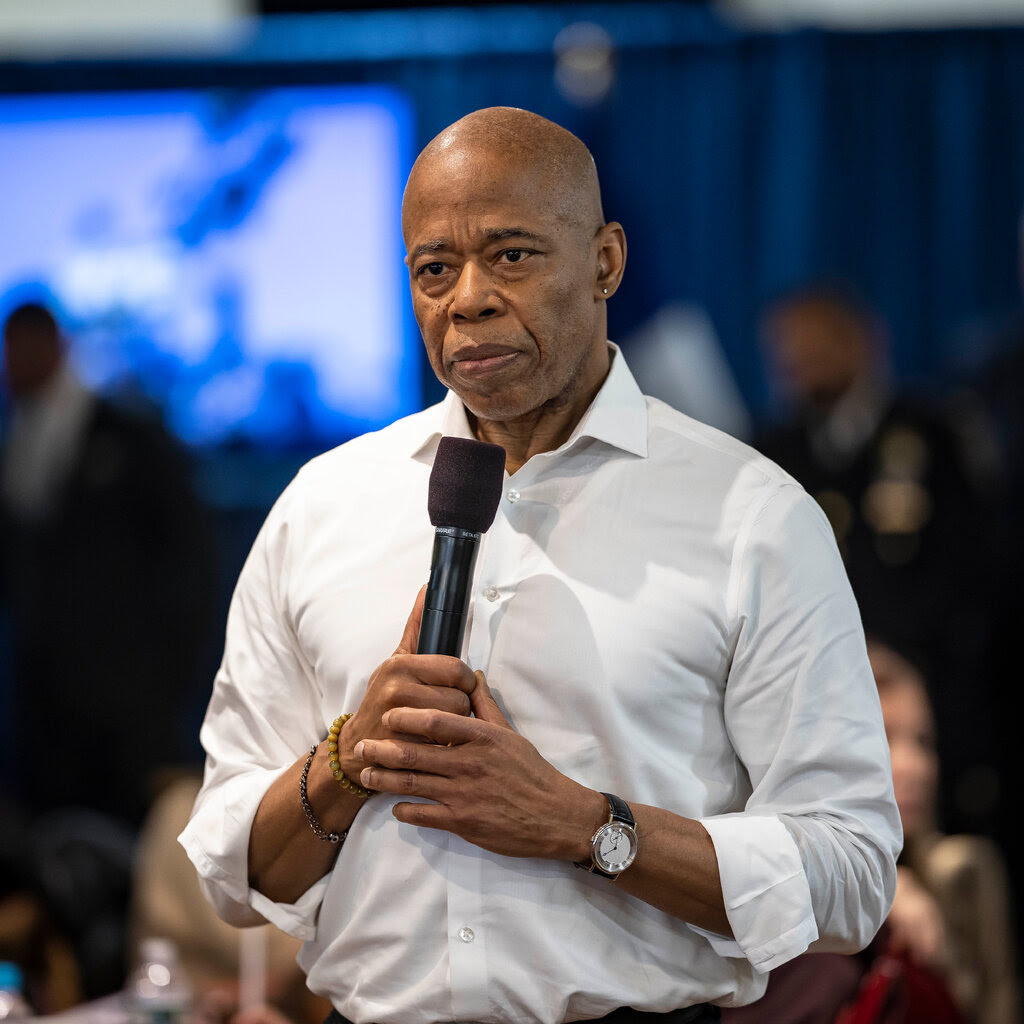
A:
{"x": 474, "y": 296}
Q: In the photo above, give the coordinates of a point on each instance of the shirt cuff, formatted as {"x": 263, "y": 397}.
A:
{"x": 245, "y": 908}
{"x": 216, "y": 840}
{"x": 767, "y": 898}
{"x": 297, "y": 919}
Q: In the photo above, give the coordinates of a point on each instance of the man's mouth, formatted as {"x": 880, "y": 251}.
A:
{"x": 483, "y": 360}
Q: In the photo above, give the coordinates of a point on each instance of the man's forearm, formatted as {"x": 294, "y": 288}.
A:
{"x": 676, "y": 869}
{"x": 285, "y": 856}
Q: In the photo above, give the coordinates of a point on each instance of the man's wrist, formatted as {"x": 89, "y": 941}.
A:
{"x": 335, "y": 807}
{"x": 595, "y": 814}
{"x": 335, "y": 746}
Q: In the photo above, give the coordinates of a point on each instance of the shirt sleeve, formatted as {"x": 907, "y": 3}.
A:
{"x": 263, "y": 713}
{"x": 812, "y": 857}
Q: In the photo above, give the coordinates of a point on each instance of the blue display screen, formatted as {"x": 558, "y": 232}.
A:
{"x": 232, "y": 256}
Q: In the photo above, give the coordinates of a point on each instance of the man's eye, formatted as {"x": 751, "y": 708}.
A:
{"x": 432, "y": 269}
{"x": 514, "y": 255}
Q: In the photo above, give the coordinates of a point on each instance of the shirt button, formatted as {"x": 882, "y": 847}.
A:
{"x": 491, "y": 593}
{"x": 513, "y": 495}
{"x": 466, "y": 934}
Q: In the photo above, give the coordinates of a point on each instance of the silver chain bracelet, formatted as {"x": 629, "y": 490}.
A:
{"x": 314, "y": 822}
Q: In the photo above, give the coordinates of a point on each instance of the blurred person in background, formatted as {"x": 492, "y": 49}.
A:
{"x": 908, "y": 485}
{"x": 32, "y": 932}
{"x": 999, "y": 385}
{"x": 107, "y": 579}
{"x": 947, "y": 951}
{"x": 953, "y": 896}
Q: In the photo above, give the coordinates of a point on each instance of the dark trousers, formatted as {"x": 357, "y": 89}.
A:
{"x": 705, "y": 1013}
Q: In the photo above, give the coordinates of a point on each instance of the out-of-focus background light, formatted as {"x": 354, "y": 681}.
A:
{"x": 585, "y": 66}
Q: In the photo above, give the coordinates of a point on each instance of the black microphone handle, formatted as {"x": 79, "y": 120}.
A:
{"x": 446, "y": 604}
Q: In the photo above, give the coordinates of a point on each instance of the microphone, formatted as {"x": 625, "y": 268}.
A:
{"x": 462, "y": 498}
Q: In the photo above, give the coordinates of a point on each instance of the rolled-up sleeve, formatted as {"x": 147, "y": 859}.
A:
{"x": 811, "y": 860}
{"x": 264, "y": 711}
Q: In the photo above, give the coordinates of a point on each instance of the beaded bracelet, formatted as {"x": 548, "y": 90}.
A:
{"x": 314, "y": 822}
{"x": 332, "y": 759}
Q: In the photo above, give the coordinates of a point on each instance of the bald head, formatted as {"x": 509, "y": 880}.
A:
{"x": 556, "y": 162}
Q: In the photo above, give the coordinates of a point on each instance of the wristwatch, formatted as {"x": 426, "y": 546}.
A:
{"x": 614, "y": 845}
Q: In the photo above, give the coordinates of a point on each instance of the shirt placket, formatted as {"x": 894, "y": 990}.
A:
{"x": 467, "y": 926}
{"x": 467, "y": 939}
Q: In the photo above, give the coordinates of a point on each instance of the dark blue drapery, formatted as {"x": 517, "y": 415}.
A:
{"x": 743, "y": 163}
{"x": 740, "y": 162}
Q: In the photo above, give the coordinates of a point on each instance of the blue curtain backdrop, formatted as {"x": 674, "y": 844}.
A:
{"x": 740, "y": 162}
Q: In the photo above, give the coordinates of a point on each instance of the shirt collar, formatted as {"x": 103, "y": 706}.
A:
{"x": 617, "y": 416}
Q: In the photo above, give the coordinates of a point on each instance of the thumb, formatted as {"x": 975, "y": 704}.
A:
{"x": 411, "y": 634}
{"x": 484, "y": 706}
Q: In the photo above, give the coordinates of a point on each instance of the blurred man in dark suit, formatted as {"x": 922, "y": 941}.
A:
{"x": 107, "y": 578}
{"x": 908, "y": 486}
{"x": 108, "y": 588}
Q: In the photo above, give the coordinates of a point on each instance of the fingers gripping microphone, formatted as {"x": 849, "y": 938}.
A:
{"x": 463, "y": 496}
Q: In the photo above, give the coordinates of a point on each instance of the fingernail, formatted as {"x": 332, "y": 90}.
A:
{"x": 364, "y": 777}
{"x": 358, "y": 750}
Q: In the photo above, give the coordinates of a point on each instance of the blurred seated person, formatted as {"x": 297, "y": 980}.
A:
{"x": 952, "y": 906}
{"x": 32, "y": 935}
{"x": 907, "y": 482}
{"x": 168, "y": 903}
{"x": 946, "y": 951}
{"x": 107, "y": 575}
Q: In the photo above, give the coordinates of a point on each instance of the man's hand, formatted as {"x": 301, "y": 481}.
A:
{"x": 487, "y": 783}
{"x": 406, "y": 679}
{"x": 285, "y": 857}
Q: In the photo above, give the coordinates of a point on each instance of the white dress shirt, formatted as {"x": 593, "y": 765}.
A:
{"x": 662, "y": 612}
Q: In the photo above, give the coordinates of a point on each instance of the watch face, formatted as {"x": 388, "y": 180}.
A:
{"x": 614, "y": 848}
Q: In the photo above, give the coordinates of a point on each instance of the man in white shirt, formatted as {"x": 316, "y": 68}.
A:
{"x": 661, "y": 633}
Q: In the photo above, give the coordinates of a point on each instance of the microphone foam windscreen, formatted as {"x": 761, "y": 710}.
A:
{"x": 465, "y": 484}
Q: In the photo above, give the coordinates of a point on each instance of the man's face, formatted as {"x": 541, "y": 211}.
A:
{"x": 817, "y": 352}
{"x": 30, "y": 359}
{"x": 915, "y": 766}
{"x": 503, "y": 284}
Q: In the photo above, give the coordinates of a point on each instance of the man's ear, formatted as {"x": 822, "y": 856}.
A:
{"x": 610, "y": 242}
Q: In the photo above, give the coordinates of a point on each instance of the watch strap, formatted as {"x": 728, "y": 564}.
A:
{"x": 619, "y": 810}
